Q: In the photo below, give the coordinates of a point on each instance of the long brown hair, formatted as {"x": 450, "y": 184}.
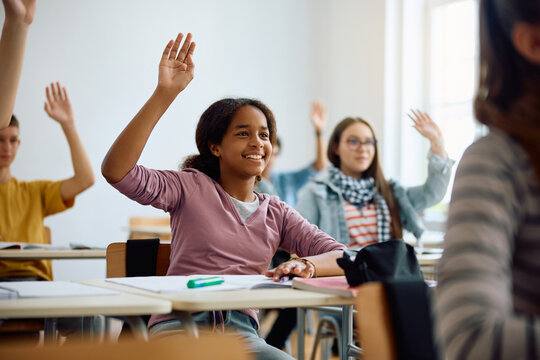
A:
{"x": 374, "y": 170}
{"x": 211, "y": 128}
{"x": 508, "y": 96}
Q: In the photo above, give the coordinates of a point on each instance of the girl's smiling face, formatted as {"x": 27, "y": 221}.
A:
{"x": 245, "y": 148}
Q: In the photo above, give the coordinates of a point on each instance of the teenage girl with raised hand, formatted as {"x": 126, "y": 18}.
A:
{"x": 219, "y": 225}
{"x": 355, "y": 204}
{"x": 19, "y": 16}
{"x": 487, "y": 297}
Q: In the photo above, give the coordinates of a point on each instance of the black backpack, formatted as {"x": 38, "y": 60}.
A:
{"x": 388, "y": 260}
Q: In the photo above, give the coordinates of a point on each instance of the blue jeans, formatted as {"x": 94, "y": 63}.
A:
{"x": 243, "y": 324}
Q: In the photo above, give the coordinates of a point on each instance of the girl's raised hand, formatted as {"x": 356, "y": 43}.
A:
{"x": 429, "y": 129}
{"x": 21, "y": 10}
{"x": 176, "y": 68}
{"x": 58, "y": 106}
{"x": 425, "y": 126}
{"x": 318, "y": 116}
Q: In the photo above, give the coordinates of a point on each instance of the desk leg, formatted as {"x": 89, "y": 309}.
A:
{"x": 347, "y": 331}
{"x": 107, "y": 330}
{"x": 188, "y": 323}
{"x": 300, "y": 330}
{"x": 49, "y": 330}
{"x": 138, "y": 326}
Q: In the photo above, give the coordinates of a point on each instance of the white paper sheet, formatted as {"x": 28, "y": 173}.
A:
{"x": 32, "y": 289}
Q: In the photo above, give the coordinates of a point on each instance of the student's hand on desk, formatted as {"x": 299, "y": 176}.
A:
{"x": 176, "y": 70}
{"x": 293, "y": 267}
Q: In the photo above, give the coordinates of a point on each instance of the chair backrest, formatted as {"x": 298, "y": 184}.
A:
{"x": 224, "y": 347}
{"x": 374, "y": 323}
{"x": 135, "y": 221}
{"x": 116, "y": 259}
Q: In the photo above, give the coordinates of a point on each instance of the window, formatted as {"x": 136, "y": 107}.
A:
{"x": 439, "y": 75}
{"x": 452, "y": 76}
{"x": 452, "y": 79}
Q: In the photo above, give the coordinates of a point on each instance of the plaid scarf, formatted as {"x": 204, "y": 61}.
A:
{"x": 359, "y": 192}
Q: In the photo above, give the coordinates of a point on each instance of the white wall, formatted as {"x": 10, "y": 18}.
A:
{"x": 285, "y": 53}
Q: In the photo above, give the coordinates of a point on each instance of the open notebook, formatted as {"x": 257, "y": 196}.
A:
{"x": 169, "y": 284}
{"x": 4, "y": 245}
{"x": 40, "y": 289}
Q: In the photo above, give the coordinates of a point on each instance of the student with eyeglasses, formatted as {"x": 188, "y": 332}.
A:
{"x": 355, "y": 204}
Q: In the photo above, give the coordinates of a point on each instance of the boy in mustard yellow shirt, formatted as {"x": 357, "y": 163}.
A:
{"x": 24, "y": 204}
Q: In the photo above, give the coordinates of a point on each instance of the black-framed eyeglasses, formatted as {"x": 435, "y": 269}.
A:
{"x": 354, "y": 144}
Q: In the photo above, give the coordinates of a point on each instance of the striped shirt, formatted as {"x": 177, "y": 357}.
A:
{"x": 362, "y": 225}
{"x": 488, "y": 295}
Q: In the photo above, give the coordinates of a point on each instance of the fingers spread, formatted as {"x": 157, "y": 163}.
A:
{"x": 48, "y": 94}
{"x": 53, "y": 92}
{"x": 64, "y": 94}
{"x": 185, "y": 47}
{"x": 189, "y": 56}
{"x": 167, "y": 50}
{"x": 176, "y": 45}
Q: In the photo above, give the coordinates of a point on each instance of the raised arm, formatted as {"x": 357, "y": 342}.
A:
{"x": 19, "y": 16}
{"x": 58, "y": 107}
{"x": 429, "y": 129}
{"x": 439, "y": 167}
{"x": 318, "y": 118}
{"x": 175, "y": 72}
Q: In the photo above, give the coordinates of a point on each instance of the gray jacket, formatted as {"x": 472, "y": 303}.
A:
{"x": 322, "y": 204}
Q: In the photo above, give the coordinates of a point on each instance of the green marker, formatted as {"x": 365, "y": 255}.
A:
{"x": 197, "y": 283}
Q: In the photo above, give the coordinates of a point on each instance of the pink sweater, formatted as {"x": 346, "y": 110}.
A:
{"x": 208, "y": 234}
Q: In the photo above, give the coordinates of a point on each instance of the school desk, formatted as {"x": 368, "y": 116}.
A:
{"x": 428, "y": 259}
{"x": 127, "y": 305}
{"x": 50, "y": 254}
{"x": 185, "y": 303}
